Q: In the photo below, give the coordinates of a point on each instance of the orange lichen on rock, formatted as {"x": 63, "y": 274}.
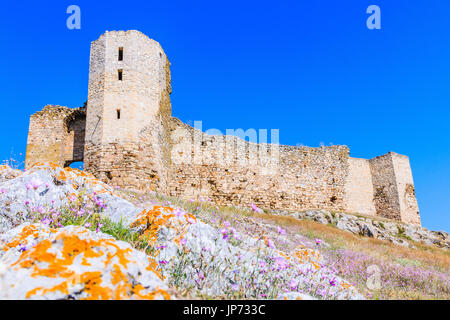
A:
{"x": 153, "y": 266}
{"x": 305, "y": 255}
{"x": 120, "y": 254}
{"x": 63, "y": 255}
{"x": 152, "y": 294}
{"x": 151, "y": 221}
{"x": 29, "y": 230}
{"x": 345, "y": 285}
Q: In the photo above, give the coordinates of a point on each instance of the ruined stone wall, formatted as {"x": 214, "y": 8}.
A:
{"x": 386, "y": 198}
{"x": 128, "y": 150}
{"x": 74, "y": 144}
{"x": 56, "y": 134}
{"x": 359, "y": 187}
{"x": 231, "y": 171}
{"x": 409, "y": 209}
{"x": 127, "y": 137}
{"x": 393, "y": 187}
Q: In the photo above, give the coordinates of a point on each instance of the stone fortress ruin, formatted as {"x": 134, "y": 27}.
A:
{"x": 126, "y": 136}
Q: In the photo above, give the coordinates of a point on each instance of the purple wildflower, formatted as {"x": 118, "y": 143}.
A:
{"x": 99, "y": 226}
{"x": 293, "y": 284}
{"x": 255, "y": 208}
{"x": 281, "y": 231}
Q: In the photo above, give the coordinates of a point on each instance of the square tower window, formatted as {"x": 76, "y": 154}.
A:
{"x": 118, "y": 113}
{"x": 120, "y": 53}
{"x": 119, "y": 74}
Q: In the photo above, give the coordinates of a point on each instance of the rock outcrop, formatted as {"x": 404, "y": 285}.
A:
{"x": 38, "y": 262}
{"x": 399, "y": 233}
{"x": 46, "y": 186}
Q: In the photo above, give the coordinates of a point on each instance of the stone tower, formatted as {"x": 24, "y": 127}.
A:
{"x": 128, "y": 111}
{"x": 394, "y": 192}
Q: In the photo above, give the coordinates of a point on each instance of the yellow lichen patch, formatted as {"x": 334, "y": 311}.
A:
{"x": 152, "y": 220}
{"x": 189, "y": 217}
{"x": 46, "y": 260}
{"x": 281, "y": 253}
{"x": 304, "y": 255}
{"x": 346, "y": 285}
{"x": 61, "y": 176}
{"x": 92, "y": 287}
{"x": 29, "y": 230}
{"x": 151, "y": 295}
{"x": 120, "y": 254}
{"x": 118, "y": 278}
{"x": 182, "y": 229}
{"x": 153, "y": 266}
{"x": 316, "y": 266}
{"x": 62, "y": 287}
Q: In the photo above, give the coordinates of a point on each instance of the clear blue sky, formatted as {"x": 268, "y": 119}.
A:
{"x": 309, "y": 68}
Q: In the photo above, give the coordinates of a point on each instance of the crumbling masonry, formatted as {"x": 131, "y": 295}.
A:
{"x": 127, "y": 137}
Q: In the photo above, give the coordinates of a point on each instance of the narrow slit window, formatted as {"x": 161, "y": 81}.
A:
{"x": 118, "y": 113}
{"x": 120, "y": 74}
{"x": 120, "y": 53}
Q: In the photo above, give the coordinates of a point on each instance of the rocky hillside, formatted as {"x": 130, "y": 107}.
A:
{"x": 66, "y": 235}
{"x": 375, "y": 227}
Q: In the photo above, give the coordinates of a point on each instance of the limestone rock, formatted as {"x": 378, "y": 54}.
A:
{"x": 395, "y": 232}
{"x": 347, "y": 226}
{"x": 74, "y": 263}
{"x": 47, "y": 185}
{"x": 174, "y": 231}
{"x": 367, "y": 230}
{"x": 7, "y": 173}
